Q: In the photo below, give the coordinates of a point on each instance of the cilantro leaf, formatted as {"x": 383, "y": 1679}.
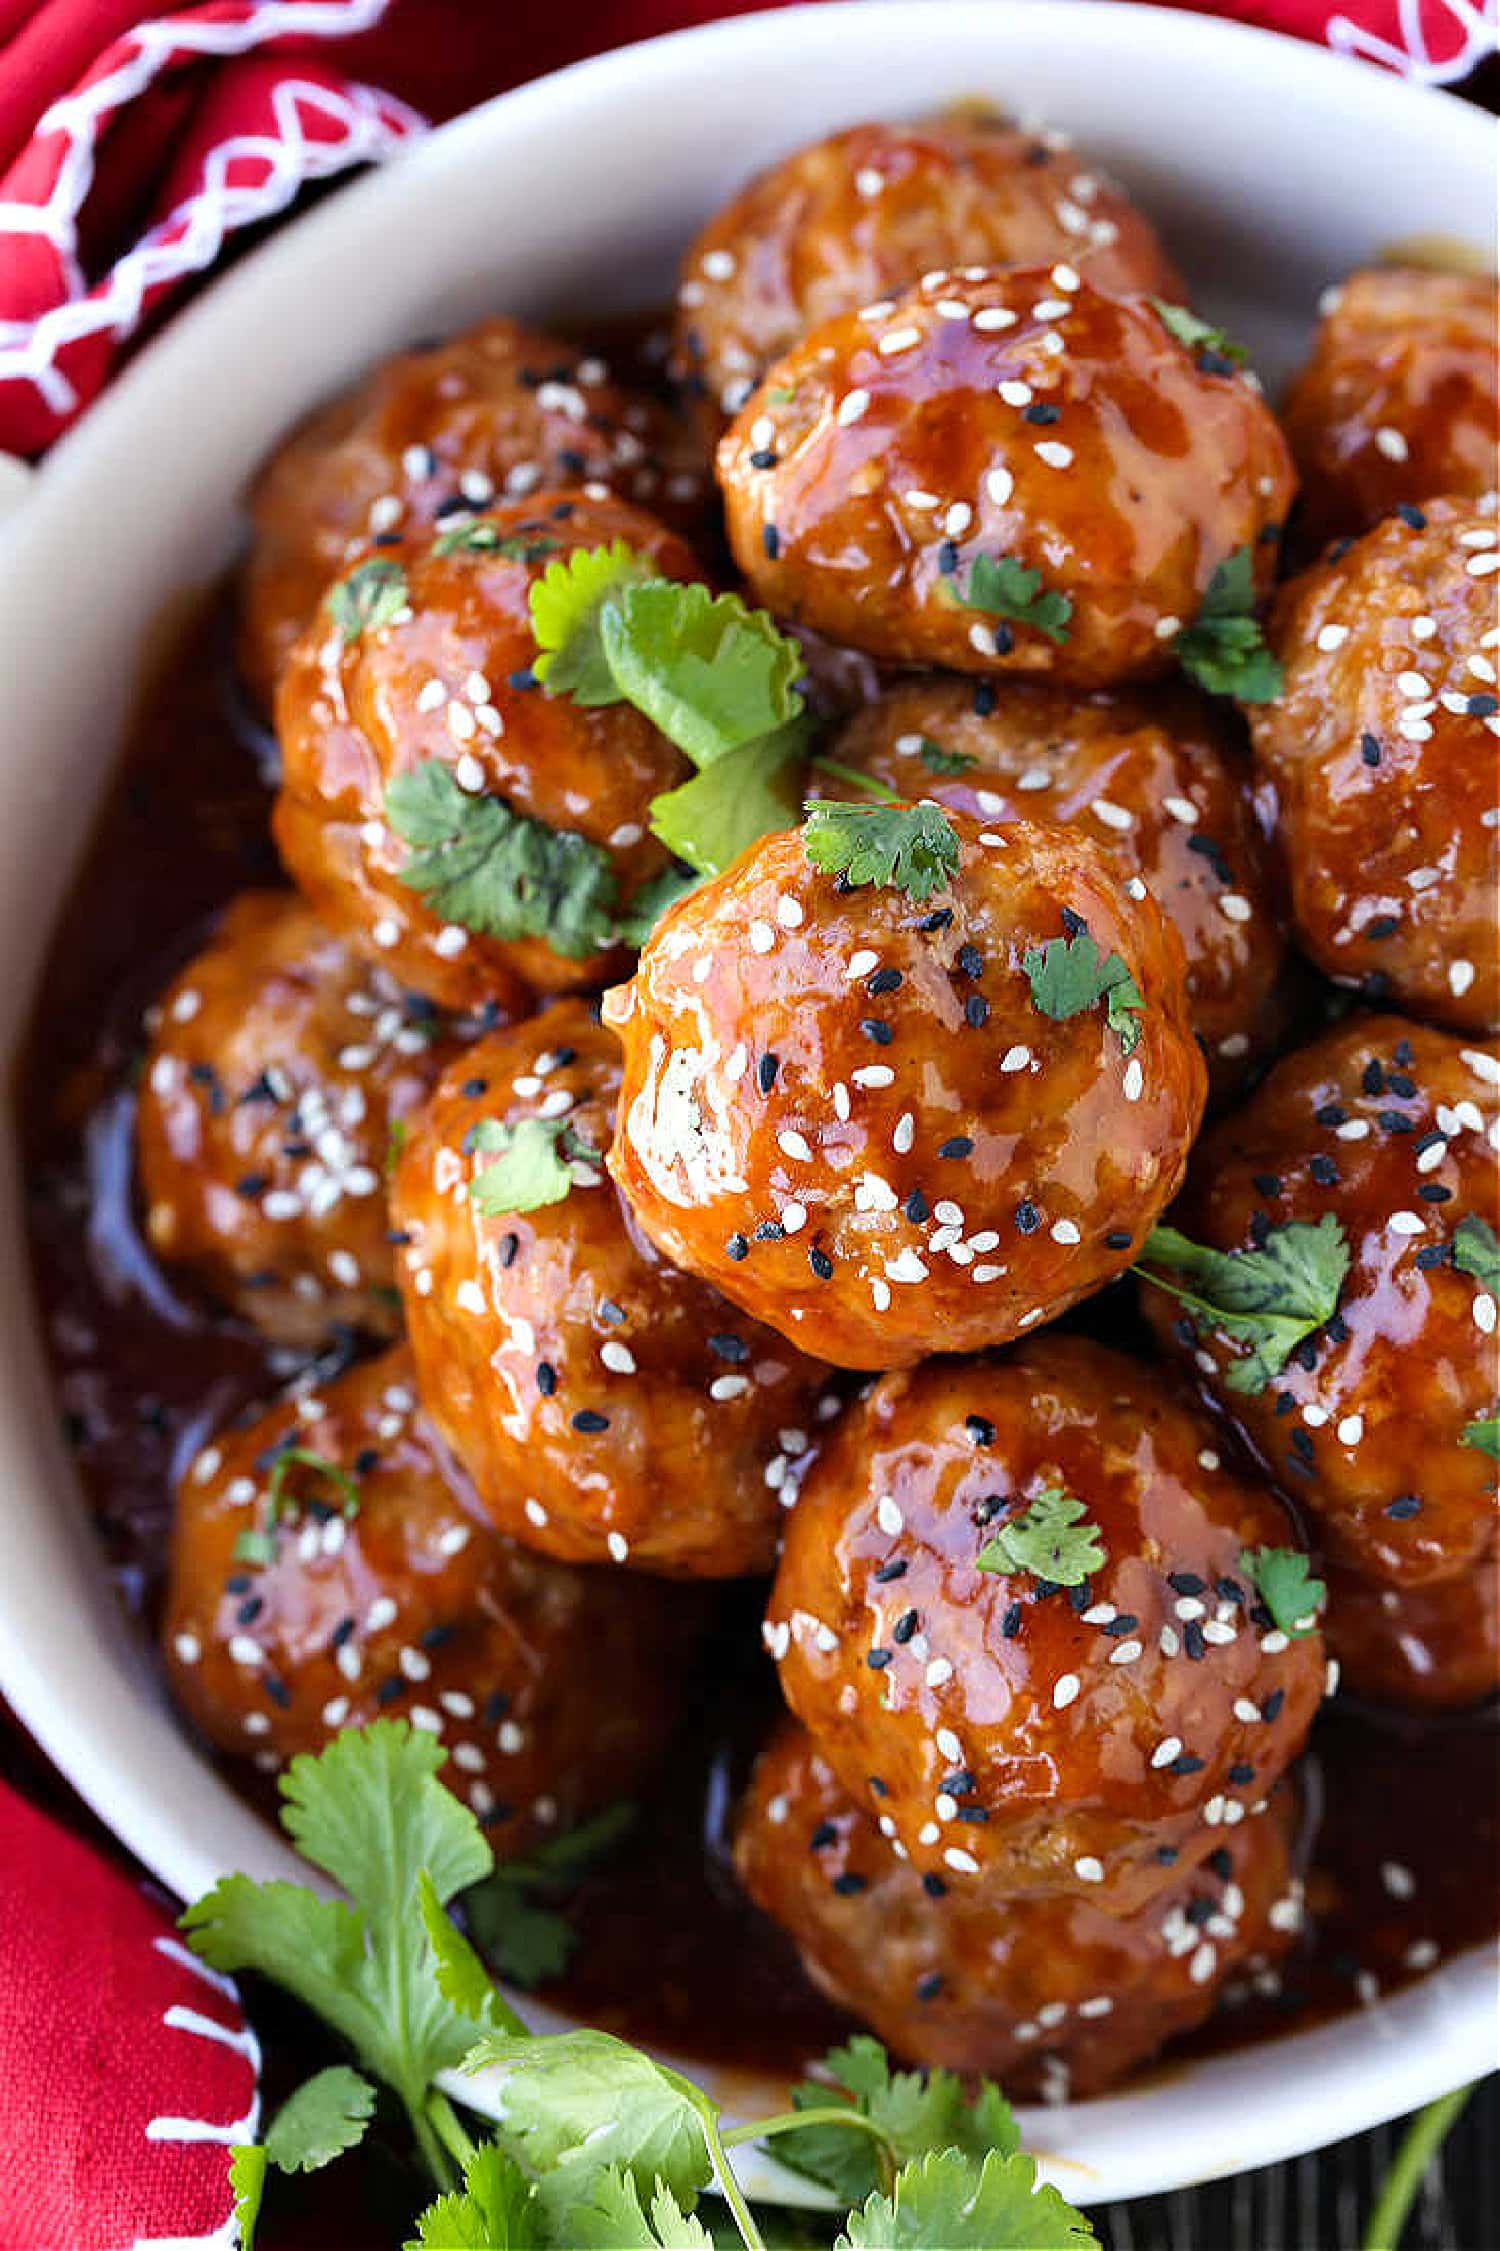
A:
{"x": 567, "y": 613}
{"x": 372, "y": 595}
{"x": 644, "y": 911}
{"x": 1198, "y": 335}
{"x": 327, "y": 2115}
{"x": 1224, "y": 649}
{"x": 911, "y": 848}
{"x": 496, "y": 2211}
{"x": 608, "y": 2217}
{"x": 1005, "y": 587}
{"x": 247, "y": 2185}
{"x": 528, "y": 1943}
{"x": 948, "y": 2199}
{"x": 575, "y": 2088}
{"x": 495, "y": 871}
{"x": 478, "y": 536}
{"x": 1284, "y": 1581}
{"x": 344, "y": 1481}
{"x": 1068, "y": 975}
{"x": 1270, "y": 1298}
{"x": 916, "y": 2112}
{"x": 1054, "y": 1538}
{"x": 534, "y": 1164}
{"x": 737, "y": 799}
{"x": 1476, "y": 1251}
{"x": 461, "y": 1977}
{"x": 706, "y": 669}
{"x": 1483, "y": 1435}
{"x": 940, "y": 761}
{"x": 370, "y": 1811}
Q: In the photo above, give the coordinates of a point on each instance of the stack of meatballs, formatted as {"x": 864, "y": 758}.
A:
{"x": 830, "y": 1162}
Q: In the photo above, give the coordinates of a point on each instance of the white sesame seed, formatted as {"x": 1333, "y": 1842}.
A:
{"x": 1054, "y": 453}
{"x": 888, "y": 1516}
{"x": 1125, "y": 1652}
{"x": 1064, "y": 1691}
{"x": 1391, "y": 443}
{"x": 244, "y": 1649}
{"x": 1331, "y": 637}
{"x": 793, "y": 1217}
{"x": 963, "y": 1862}
{"x": 794, "y": 1144}
{"x": 957, "y": 519}
{"x": 1351, "y": 1430}
{"x": 762, "y": 937}
{"x": 898, "y": 340}
{"x": 939, "y": 1672}
{"x": 999, "y": 484}
{"x": 851, "y": 407}
{"x": 1460, "y": 977}
{"x": 1112, "y": 815}
{"x": 187, "y": 1647}
{"x": 450, "y": 940}
{"x": 904, "y": 1133}
{"x": 789, "y": 913}
{"x": 1015, "y": 1058}
{"x": 1182, "y": 809}
{"x": 1064, "y": 1231}
{"x": 719, "y": 265}
{"x": 1135, "y": 1079}
{"x": 992, "y": 317}
{"x": 1088, "y": 1870}
{"x": 618, "y": 1357}
{"x": 1235, "y": 907}
{"x": 535, "y": 1513}
{"x": 618, "y": 1546}
{"x": 1406, "y": 1223}
{"x": 1014, "y": 392}
{"x": 867, "y": 181}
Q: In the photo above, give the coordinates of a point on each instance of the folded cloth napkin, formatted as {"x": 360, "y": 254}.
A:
{"x": 136, "y": 144}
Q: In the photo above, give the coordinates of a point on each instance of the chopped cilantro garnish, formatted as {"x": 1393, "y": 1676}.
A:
{"x": 1004, "y": 587}
{"x": 739, "y": 798}
{"x": 913, "y": 2111}
{"x": 1283, "y": 1580}
{"x": 534, "y": 1164}
{"x": 1483, "y": 1434}
{"x": 946, "y": 2199}
{"x": 478, "y": 536}
{"x": 910, "y": 848}
{"x": 1476, "y": 1251}
{"x": 1224, "y": 649}
{"x": 1069, "y": 975}
{"x": 525, "y": 1939}
{"x": 940, "y": 761}
{"x": 567, "y": 610}
{"x": 1054, "y": 1538}
{"x": 707, "y": 670}
{"x": 1269, "y": 1298}
{"x": 1198, "y": 335}
{"x": 371, "y": 596}
{"x": 258, "y": 1545}
{"x": 497, "y": 872}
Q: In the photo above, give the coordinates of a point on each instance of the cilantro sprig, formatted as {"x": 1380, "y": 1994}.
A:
{"x": 1003, "y": 586}
{"x": 1069, "y": 975}
{"x": 1283, "y": 1579}
{"x": 534, "y": 1161}
{"x": 937, "y": 760}
{"x": 1476, "y": 1251}
{"x": 1483, "y": 1434}
{"x": 1054, "y": 1538}
{"x": 910, "y": 848}
{"x": 1270, "y": 1298}
{"x": 513, "y": 1915}
{"x": 1200, "y": 336}
{"x": 1224, "y": 649}
{"x": 597, "y": 2144}
{"x": 373, "y": 594}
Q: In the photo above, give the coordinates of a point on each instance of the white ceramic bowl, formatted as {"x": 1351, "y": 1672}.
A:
{"x": 1272, "y": 167}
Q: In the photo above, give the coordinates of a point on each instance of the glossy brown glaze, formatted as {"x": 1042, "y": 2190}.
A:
{"x": 1380, "y": 766}
{"x": 1051, "y": 1996}
{"x": 1159, "y": 778}
{"x": 451, "y": 680}
{"x": 1076, "y": 1740}
{"x": 1418, "y": 1649}
{"x": 1017, "y": 414}
{"x": 498, "y": 413}
{"x": 608, "y": 1408}
{"x": 870, "y": 210}
{"x": 1397, "y": 400}
{"x": 411, "y": 1606}
{"x": 279, "y": 1063}
{"x": 845, "y": 1110}
{"x": 1387, "y": 1127}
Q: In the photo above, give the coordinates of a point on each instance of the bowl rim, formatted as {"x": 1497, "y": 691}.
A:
{"x": 1420, "y": 2043}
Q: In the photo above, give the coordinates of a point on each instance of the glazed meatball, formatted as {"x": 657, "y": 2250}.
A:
{"x": 1051, "y": 1996}
{"x": 869, "y": 211}
{"x": 1082, "y": 1729}
{"x": 439, "y": 684}
{"x": 329, "y": 1563}
{"x": 849, "y": 1110}
{"x": 1389, "y": 1130}
{"x": 1159, "y": 778}
{"x": 1420, "y": 1649}
{"x": 1379, "y": 762}
{"x": 1397, "y": 400}
{"x": 1003, "y": 472}
{"x": 279, "y": 1064}
{"x": 498, "y": 413}
{"x": 607, "y": 1407}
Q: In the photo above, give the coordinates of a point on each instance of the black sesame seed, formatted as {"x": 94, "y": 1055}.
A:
{"x": 506, "y": 1249}
{"x": 1382, "y": 926}
{"x": 848, "y": 1884}
{"x": 1010, "y": 1624}
{"x": 1166, "y": 1856}
{"x": 1028, "y": 1218}
{"x": 1483, "y": 706}
{"x": 737, "y": 1247}
{"x": 878, "y": 1659}
{"x": 390, "y": 1688}
{"x": 770, "y": 539}
{"x": 1336, "y": 1330}
{"x": 1193, "y": 1641}
{"x": 1117, "y": 1628}
{"x": 1186, "y": 1582}
{"x": 1372, "y": 1078}
{"x": 1266, "y": 1183}
{"x": 1221, "y": 1863}
{"x": 889, "y": 1571}
{"x": 769, "y": 1231}
{"x": 1433, "y": 1192}
{"x": 980, "y": 1429}
{"x": 947, "y": 557}
{"x": 765, "y": 1072}
{"x": 496, "y": 1705}
{"x": 1403, "y": 1506}
{"x": 1271, "y": 1708}
{"x": 1200, "y": 1909}
{"x": 878, "y": 1788}
{"x": 1369, "y": 749}
{"x": 1324, "y": 1171}
{"x": 1397, "y": 1081}
{"x": 983, "y": 701}
{"x": 435, "y": 1636}
{"x": 277, "y": 1690}
{"x": 473, "y": 1088}
{"x": 252, "y": 1184}
{"x": 905, "y": 1626}
{"x": 522, "y": 679}
{"x": 1186, "y": 1762}
{"x": 589, "y": 1420}
{"x": 724, "y": 1345}
{"x": 546, "y": 1378}
{"x": 975, "y": 1815}
{"x": 934, "y": 1887}
{"x": 1042, "y": 414}
{"x": 883, "y": 981}
{"x": 821, "y": 1263}
{"x": 1073, "y": 923}
{"x": 763, "y": 458}
{"x": 1118, "y": 1239}
{"x": 1306, "y": 1353}
{"x": 918, "y": 1210}
{"x": 939, "y": 919}
{"x": 959, "y": 1145}
{"x": 610, "y": 1313}
{"x": 971, "y": 960}
{"x": 1241, "y": 1773}
{"x": 877, "y": 1029}
{"x": 959, "y": 1784}
{"x": 1432, "y": 1254}
{"x": 249, "y": 1610}
{"x": 823, "y": 1836}
{"x": 1394, "y": 1121}
{"x": 1004, "y": 640}
{"x": 976, "y": 1012}
{"x": 1410, "y": 515}
{"x": 341, "y": 1632}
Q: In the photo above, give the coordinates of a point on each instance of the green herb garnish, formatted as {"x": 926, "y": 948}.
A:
{"x": 534, "y": 1164}
{"x": 258, "y": 1546}
{"x": 940, "y": 761}
{"x": 733, "y": 802}
{"x": 1284, "y": 1581}
{"x": 1069, "y": 975}
{"x": 1004, "y": 587}
{"x": 1476, "y": 1251}
{"x": 476, "y": 535}
{"x": 524, "y": 1938}
{"x": 497, "y": 872}
{"x": 1270, "y": 1298}
{"x": 910, "y": 848}
{"x": 1224, "y": 649}
{"x": 711, "y": 673}
{"x": 1054, "y": 1538}
{"x": 371, "y": 596}
{"x": 1483, "y": 1435}
{"x": 1198, "y": 335}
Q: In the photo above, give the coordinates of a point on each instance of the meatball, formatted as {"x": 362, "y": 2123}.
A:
{"x": 1052, "y": 1996}
{"x": 1077, "y": 1723}
{"x": 877, "y": 1122}
{"x": 1158, "y": 778}
{"x": 1397, "y": 400}
{"x": 530, "y": 825}
{"x": 1387, "y": 1129}
{"x": 1421, "y": 1649}
{"x": 501, "y": 411}
{"x": 872, "y": 209}
{"x": 1379, "y": 767}
{"x": 607, "y": 1407}
{"x": 279, "y": 1065}
{"x": 330, "y": 1563}
{"x": 1003, "y": 472}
